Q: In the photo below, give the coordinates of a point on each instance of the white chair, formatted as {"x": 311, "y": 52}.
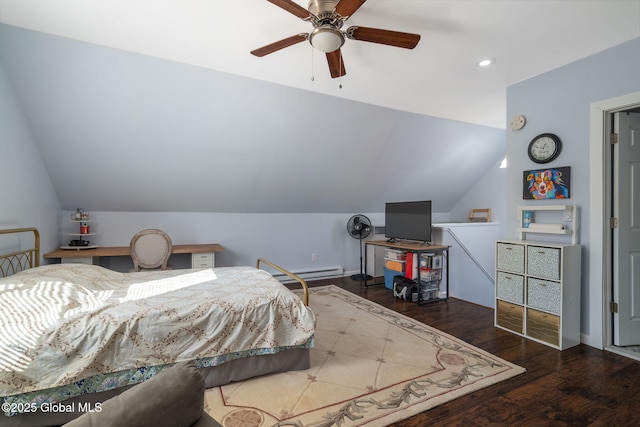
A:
{"x": 150, "y": 250}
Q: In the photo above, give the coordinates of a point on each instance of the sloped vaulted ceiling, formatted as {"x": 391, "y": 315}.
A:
{"x": 161, "y": 108}
{"x": 126, "y": 132}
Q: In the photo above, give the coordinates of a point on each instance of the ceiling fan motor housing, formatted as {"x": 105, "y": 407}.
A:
{"x": 324, "y": 10}
{"x": 327, "y": 18}
{"x": 327, "y": 36}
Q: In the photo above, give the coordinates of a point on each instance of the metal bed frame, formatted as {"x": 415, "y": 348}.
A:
{"x": 17, "y": 261}
{"x": 295, "y": 277}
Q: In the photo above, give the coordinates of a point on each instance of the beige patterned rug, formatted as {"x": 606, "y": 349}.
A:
{"x": 370, "y": 367}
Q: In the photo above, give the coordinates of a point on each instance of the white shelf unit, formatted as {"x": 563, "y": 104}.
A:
{"x": 568, "y": 224}
{"x": 538, "y": 284}
{"x": 78, "y": 223}
{"x": 538, "y": 291}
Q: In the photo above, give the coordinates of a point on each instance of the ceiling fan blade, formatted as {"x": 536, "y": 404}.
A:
{"x": 346, "y": 8}
{"x": 281, "y": 44}
{"x": 293, "y": 8}
{"x": 336, "y": 64}
{"x": 390, "y": 38}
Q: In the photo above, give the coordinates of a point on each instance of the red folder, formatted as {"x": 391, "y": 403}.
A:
{"x": 411, "y": 268}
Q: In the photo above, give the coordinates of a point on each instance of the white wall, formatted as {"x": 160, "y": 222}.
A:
{"x": 27, "y": 198}
{"x": 559, "y": 102}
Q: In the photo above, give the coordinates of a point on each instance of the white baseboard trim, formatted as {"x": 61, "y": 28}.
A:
{"x": 312, "y": 274}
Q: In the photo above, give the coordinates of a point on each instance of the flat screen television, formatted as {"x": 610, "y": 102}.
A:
{"x": 408, "y": 220}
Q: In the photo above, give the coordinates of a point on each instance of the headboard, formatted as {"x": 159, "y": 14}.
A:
{"x": 17, "y": 258}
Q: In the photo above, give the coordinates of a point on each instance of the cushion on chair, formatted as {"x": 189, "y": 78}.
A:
{"x": 150, "y": 249}
{"x": 172, "y": 398}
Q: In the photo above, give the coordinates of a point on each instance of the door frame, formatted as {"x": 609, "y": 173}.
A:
{"x": 600, "y": 251}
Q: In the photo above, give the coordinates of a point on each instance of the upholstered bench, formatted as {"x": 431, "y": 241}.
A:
{"x": 173, "y": 398}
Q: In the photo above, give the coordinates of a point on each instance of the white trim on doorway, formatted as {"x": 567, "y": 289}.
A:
{"x": 599, "y": 234}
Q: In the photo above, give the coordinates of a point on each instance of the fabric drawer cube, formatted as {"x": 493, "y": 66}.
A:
{"x": 510, "y": 316}
{"x": 543, "y": 262}
{"x": 510, "y": 287}
{"x": 543, "y": 326}
{"x": 510, "y": 257}
{"x": 544, "y": 295}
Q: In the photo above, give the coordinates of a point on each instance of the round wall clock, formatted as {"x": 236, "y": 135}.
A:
{"x": 544, "y": 148}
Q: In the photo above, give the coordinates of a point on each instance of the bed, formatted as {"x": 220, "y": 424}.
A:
{"x": 74, "y": 334}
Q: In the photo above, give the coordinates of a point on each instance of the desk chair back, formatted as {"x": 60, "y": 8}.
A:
{"x": 150, "y": 249}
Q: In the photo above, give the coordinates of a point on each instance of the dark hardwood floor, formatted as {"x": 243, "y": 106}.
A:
{"x": 581, "y": 386}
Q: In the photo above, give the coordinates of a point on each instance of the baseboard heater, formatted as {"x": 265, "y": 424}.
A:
{"x": 321, "y": 273}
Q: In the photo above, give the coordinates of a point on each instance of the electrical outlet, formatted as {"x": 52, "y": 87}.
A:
{"x": 314, "y": 257}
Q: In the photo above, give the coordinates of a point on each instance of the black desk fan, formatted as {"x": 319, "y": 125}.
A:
{"x": 359, "y": 227}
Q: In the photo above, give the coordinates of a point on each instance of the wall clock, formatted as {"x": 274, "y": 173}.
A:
{"x": 544, "y": 148}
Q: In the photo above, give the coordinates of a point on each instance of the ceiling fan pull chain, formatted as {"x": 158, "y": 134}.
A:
{"x": 340, "y": 83}
{"x": 312, "y": 76}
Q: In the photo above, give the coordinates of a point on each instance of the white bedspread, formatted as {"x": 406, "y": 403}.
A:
{"x": 62, "y": 323}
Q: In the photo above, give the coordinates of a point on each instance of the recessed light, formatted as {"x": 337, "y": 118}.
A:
{"x": 485, "y": 62}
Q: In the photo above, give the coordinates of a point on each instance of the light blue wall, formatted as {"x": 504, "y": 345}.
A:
{"x": 263, "y": 169}
{"x": 27, "y": 198}
{"x": 487, "y": 192}
{"x": 559, "y": 102}
{"x": 114, "y": 125}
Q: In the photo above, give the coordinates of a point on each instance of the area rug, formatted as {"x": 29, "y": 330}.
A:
{"x": 370, "y": 367}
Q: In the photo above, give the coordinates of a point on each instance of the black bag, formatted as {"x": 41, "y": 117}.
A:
{"x": 405, "y": 288}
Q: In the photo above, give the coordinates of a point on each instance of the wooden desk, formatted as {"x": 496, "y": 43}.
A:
{"x": 418, "y": 248}
{"x": 407, "y": 246}
{"x": 202, "y": 255}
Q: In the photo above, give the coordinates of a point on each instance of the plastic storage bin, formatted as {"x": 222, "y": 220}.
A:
{"x": 394, "y": 265}
{"x": 429, "y": 294}
{"x": 395, "y": 254}
{"x": 388, "y": 278}
{"x": 430, "y": 274}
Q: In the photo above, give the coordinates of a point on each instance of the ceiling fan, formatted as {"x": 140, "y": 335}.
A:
{"x": 327, "y": 18}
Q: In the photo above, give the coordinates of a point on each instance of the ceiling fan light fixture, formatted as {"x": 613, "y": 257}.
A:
{"x": 326, "y": 39}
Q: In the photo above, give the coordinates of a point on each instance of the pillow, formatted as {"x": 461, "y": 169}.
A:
{"x": 172, "y": 398}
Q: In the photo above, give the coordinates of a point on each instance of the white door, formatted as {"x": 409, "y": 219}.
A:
{"x": 626, "y": 236}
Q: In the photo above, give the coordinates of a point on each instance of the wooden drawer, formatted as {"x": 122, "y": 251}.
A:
{"x": 544, "y": 295}
{"x": 510, "y": 316}
{"x": 202, "y": 260}
{"x": 543, "y": 262}
{"x": 543, "y": 326}
{"x": 510, "y": 287}
{"x": 510, "y": 257}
